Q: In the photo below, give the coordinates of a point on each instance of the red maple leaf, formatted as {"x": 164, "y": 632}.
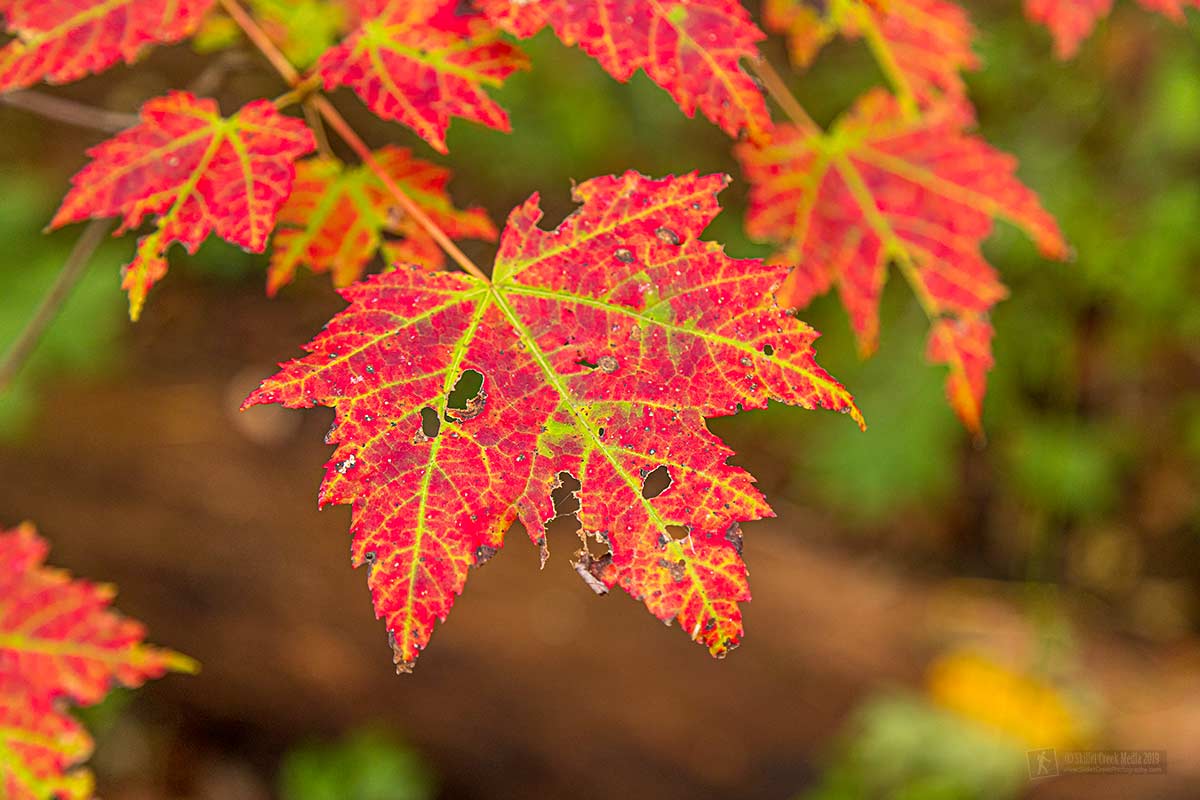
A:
{"x": 1072, "y": 21}
{"x": 691, "y": 48}
{"x": 603, "y": 345}
{"x": 922, "y": 45}
{"x": 336, "y": 218}
{"x": 884, "y": 187}
{"x": 59, "y": 643}
{"x": 64, "y": 40}
{"x": 196, "y": 172}
{"x": 420, "y": 63}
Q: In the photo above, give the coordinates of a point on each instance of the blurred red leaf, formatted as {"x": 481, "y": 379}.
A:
{"x": 923, "y": 44}
{"x": 603, "y": 345}
{"x": 59, "y": 642}
{"x": 64, "y": 40}
{"x": 1072, "y": 21}
{"x": 885, "y": 187}
{"x": 336, "y": 218}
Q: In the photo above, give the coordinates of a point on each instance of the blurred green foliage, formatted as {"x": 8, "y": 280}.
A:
{"x": 367, "y": 765}
{"x": 901, "y": 747}
{"x": 81, "y": 340}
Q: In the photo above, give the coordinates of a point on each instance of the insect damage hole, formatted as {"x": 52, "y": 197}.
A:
{"x": 467, "y": 399}
{"x": 430, "y": 426}
{"x": 656, "y": 482}
{"x": 565, "y": 495}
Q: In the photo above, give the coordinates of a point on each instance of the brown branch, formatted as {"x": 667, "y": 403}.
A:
{"x": 780, "y": 93}
{"x": 72, "y": 113}
{"x": 294, "y": 79}
{"x": 72, "y": 270}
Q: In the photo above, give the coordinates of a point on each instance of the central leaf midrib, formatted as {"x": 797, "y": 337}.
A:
{"x": 596, "y": 444}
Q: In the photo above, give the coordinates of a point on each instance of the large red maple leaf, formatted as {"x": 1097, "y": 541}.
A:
{"x": 1072, "y": 21}
{"x": 691, "y": 48}
{"x": 884, "y": 187}
{"x": 59, "y": 643}
{"x": 64, "y": 40}
{"x": 421, "y": 63}
{"x": 336, "y": 218}
{"x": 196, "y": 172}
{"x": 603, "y": 345}
{"x": 922, "y": 45}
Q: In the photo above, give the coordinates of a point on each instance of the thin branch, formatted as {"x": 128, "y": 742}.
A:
{"x": 343, "y": 129}
{"x": 336, "y": 121}
{"x": 69, "y": 111}
{"x": 214, "y": 74}
{"x": 313, "y": 117}
{"x": 72, "y": 270}
{"x": 779, "y": 91}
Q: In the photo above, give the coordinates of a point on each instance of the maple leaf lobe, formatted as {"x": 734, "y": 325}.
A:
{"x": 602, "y": 345}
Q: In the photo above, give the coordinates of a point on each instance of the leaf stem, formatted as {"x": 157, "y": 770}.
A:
{"x": 339, "y": 124}
{"x": 72, "y": 270}
{"x": 778, "y": 89}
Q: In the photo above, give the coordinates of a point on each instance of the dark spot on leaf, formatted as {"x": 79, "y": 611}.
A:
{"x": 656, "y": 483}
{"x": 675, "y": 568}
{"x": 768, "y": 350}
{"x": 625, "y": 255}
{"x": 583, "y": 362}
{"x": 667, "y": 235}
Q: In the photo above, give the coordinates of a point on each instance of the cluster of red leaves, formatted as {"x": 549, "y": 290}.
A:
{"x": 603, "y": 345}
{"x": 60, "y": 643}
{"x": 606, "y": 343}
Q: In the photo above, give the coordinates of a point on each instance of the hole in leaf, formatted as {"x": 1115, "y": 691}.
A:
{"x": 467, "y": 398}
{"x": 566, "y": 503}
{"x": 678, "y": 532}
{"x": 656, "y": 483}
{"x": 768, "y": 350}
{"x": 430, "y": 424}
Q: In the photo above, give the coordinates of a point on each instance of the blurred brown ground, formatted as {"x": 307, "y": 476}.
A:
{"x": 534, "y": 687}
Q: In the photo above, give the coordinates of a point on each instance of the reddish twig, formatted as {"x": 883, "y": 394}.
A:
{"x": 338, "y": 123}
